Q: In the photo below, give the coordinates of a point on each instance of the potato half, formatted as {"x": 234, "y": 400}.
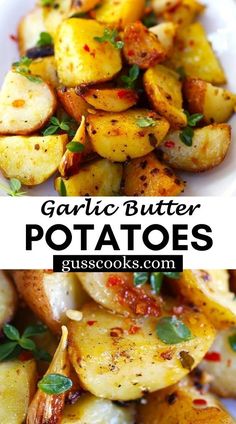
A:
{"x": 184, "y": 13}
{"x": 110, "y": 99}
{"x": 25, "y": 106}
{"x": 30, "y": 27}
{"x": 114, "y": 362}
{"x": 45, "y": 67}
{"x": 165, "y": 32}
{"x": 119, "y": 12}
{"x": 8, "y": 299}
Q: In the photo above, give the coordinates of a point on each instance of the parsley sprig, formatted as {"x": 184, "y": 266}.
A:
{"x": 14, "y": 188}
{"x": 131, "y": 79}
{"x": 56, "y": 125}
{"x": 186, "y": 136}
{"x": 155, "y": 279}
{"x": 150, "y": 20}
{"x": 75, "y": 146}
{"x": 22, "y": 67}
{"x": 55, "y": 384}
{"x": 62, "y": 188}
{"x": 171, "y": 330}
{"x": 45, "y": 39}
{"x": 110, "y": 36}
{"x": 146, "y": 122}
{"x": 16, "y": 343}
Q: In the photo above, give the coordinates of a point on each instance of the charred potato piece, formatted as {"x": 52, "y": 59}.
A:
{"x": 25, "y": 106}
{"x": 142, "y": 47}
{"x": 32, "y": 160}
{"x": 209, "y": 148}
{"x": 215, "y": 103}
{"x": 161, "y": 6}
{"x": 164, "y": 92}
{"x": 119, "y": 12}
{"x": 96, "y": 178}
{"x": 73, "y": 104}
{"x": 45, "y": 67}
{"x": 147, "y": 176}
{"x": 8, "y": 299}
{"x": 30, "y": 27}
{"x": 165, "y": 32}
{"x": 123, "y": 136}
{"x": 80, "y": 62}
{"x": 184, "y": 13}
{"x": 110, "y": 99}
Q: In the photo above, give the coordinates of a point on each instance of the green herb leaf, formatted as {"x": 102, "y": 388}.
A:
{"x": 140, "y": 278}
{"x": 186, "y": 360}
{"x": 181, "y": 72}
{"x": 156, "y": 280}
{"x": 42, "y": 355}
{"x": 110, "y": 36}
{"x": 55, "y": 384}
{"x": 45, "y": 39}
{"x": 130, "y": 80}
{"x": 63, "y": 191}
{"x": 232, "y": 342}
{"x": 27, "y": 344}
{"x": 6, "y": 349}
{"x": 55, "y": 125}
{"x": 186, "y": 136}
{"x": 150, "y": 20}
{"x": 194, "y": 119}
{"x": 146, "y": 122}
{"x": 171, "y": 330}
{"x": 22, "y": 67}
{"x": 11, "y": 332}
{"x": 173, "y": 275}
{"x": 34, "y": 330}
{"x": 75, "y": 147}
{"x": 46, "y": 3}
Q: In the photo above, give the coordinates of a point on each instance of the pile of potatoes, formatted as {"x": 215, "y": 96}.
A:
{"x": 126, "y": 85}
{"x": 102, "y": 335}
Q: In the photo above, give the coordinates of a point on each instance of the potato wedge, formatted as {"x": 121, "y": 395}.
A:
{"x": 184, "y": 13}
{"x": 161, "y": 6}
{"x": 165, "y": 32}
{"x": 83, "y": 5}
{"x": 54, "y": 16}
{"x": 203, "y": 290}
{"x": 194, "y": 53}
{"x": 215, "y": 103}
{"x": 110, "y": 99}
{"x": 35, "y": 158}
{"x": 18, "y": 384}
{"x": 95, "y": 178}
{"x": 25, "y": 106}
{"x": 179, "y": 404}
{"x": 8, "y": 299}
{"x": 45, "y": 67}
{"x": 50, "y": 295}
{"x": 80, "y": 58}
{"x": 30, "y": 27}
{"x": 209, "y": 148}
{"x": 89, "y": 410}
{"x": 116, "y": 364}
{"x": 220, "y": 363}
{"x": 122, "y": 136}
{"x": 142, "y": 47}
{"x": 73, "y": 104}
{"x": 164, "y": 92}
{"x": 119, "y": 12}
{"x": 147, "y": 176}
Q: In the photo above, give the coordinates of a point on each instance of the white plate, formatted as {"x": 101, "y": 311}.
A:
{"x": 220, "y": 24}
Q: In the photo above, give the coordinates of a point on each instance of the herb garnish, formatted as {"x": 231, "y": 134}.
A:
{"x": 62, "y": 188}
{"x": 14, "y": 188}
{"x": 146, "y": 122}
{"x": 172, "y": 330}
{"x": 181, "y": 72}
{"x": 110, "y": 36}
{"x": 130, "y": 80}
{"x": 46, "y": 3}
{"x": 22, "y": 67}
{"x": 75, "y": 146}
{"x": 232, "y": 342}
{"x": 150, "y": 20}
{"x": 55, "y": 384}
{"x": 155, "y": 279}
{"x": 186, "y": 135}
{"x": 56, "y": 125}
{"x": 22, "y": 342}
{"x": 45, "y": 39}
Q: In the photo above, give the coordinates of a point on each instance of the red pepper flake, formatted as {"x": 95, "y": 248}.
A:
{"x": 25, "y": 356}
{"x": 229, "y": 363}
{"x": 133, "y": 329}
{"x": 130, "y": 53}
{"x": 116, "y": 332}
{"x": 213, "y": 357}
{"x": 90, "y": 323}
{"x": 169, "y": 144}
{"x": 191, "y": 43}
{"x": 86, "y": 48}
{"x": 48, "y": 271}
{"x": 113, "y": 280}
{"x": 13, "y": 38}
{"x": 123, "y": 94}
{"x": 178, "y": 310}
{"x": 200, "y": 402}
{"x": 168, "y": 355}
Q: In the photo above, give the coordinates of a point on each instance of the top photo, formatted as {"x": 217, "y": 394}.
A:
{"x": 118, "y": 98}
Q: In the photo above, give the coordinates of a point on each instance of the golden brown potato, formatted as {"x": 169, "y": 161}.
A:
{"x": 184, "y": 13}
{"x": 110, "y": 99}
{"x": 54, "y": 16}
{"x": 80, "y": 58}
{"x": 165, "y": 32}
{"x": 142, "y": 47}
{"x": 194, "y": 53}
{"x": 215, "y": 103}
{"x": 83, "y": 6}
{"x": 50, "y": 295}
{"x": 45, "y": 67}
{"x": 123, "y": 136}
{"x": 147, "y": 176}
{"x": 119, "y": 12}
{"x": 182, "y": 403}
{"x": 114, "y": 362}
{"x": 8, "y": 299}
{"x": 160, "y": 6}
{"x": 30, "y": 27}
{"x": 164, "y": 92}
{"x": 32, "y": 160}
{"x": 73, "y": 104}
{"x": 25, "y": 106}
{"x": 203, "y": 290}
{"x": 209, "y": 148}
{"x": 18, "y": 383}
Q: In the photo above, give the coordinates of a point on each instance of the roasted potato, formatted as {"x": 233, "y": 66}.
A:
{"x": 184, "y": 13}
{"x": 8, "y": 299}
{"x": 164, "y": 92}
{"x": 35, "y": 158}
{"x": 25, "y": 106}
{"x": 142, "y": 47}
{"x": 73, "y": 104}
{"x": 18, "y": 383}
{"x": 50, "y": 295}
{"x": 54, "y": 16}
{"x": 84, "y": 62}
{"x": 209, "y": 147}
{"x": 165, "y": 32}
{"x": 123, "y": 136}
{"x": 113, "y": 363}
{"x": 215, "y": 103}
{"x": 95, "y": 178}
{"x": 83, "y": 5}
{"x": 147, "y": 176}
{"x": 110, "y": 99}
{"x": 161, "y": 6}
{"x": 30, "y": 27}
{"x": 45, "y": 67}
{"x": 119, "y": 12}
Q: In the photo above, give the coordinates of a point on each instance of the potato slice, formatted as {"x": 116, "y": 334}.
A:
{"x": 181, "y": 403}
{"x": 215, "y": 103}
{"x": 194, "y": 53}
{"x": 110, "y": 99}
{"x": 119, "y": 12}
{"x": 30, "y": 27}
{"x": 120, "y": 137}
{"x": 209, "y": 148}
{"x": 73, "y": 104}
{"x": 184, "y": 13}
{"x": 118, "y": 364}
{"x": 80, "y": 58}
{"x": 204, "y": 291}
{"x": 96, "y": 178}
{"x": 147, "y": 176}
{"x": 18, "y": 383}
{"x": 165, "y": 32}
{"x": 35, "y": 158}
{"x": 89, "y": 410}
{"x": 142, "y": 47}
{"x": 50, "y": 295}
{"x": 25, "y": 106}
{"x": 164, "y": 91}
{"x": 8, "y": 299}
{"x": 161, "y": 6}
{"x": 45, "y": 67}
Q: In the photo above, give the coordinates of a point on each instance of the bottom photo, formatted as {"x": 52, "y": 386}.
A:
{"x": 118, "y": 348}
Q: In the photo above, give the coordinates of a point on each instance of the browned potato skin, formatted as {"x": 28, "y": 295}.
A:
{"x": 142, "y": 47}
{"x": 110, "y": 99}
{"x": 147, "y": 176}
{"x": 73, "y": 104}
{"x": 184, "y": 13}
